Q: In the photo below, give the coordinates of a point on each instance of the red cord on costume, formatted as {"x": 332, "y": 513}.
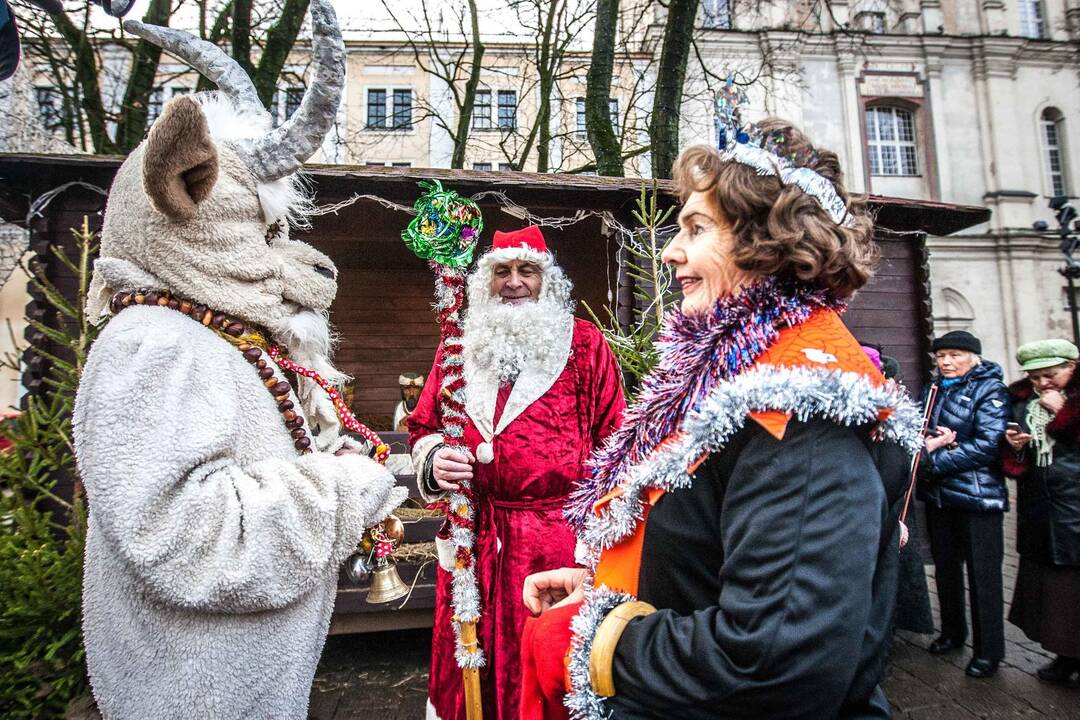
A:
{"x": 382, "y": 450}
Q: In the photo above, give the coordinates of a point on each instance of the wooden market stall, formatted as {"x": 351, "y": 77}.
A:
{"x": 383, "y": 306}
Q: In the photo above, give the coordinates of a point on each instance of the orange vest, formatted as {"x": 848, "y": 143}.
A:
{"x": 822, "y": 342}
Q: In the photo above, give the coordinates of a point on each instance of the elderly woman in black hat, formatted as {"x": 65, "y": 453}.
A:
{"x": 965, "y": 496}
{"x": 1043, "y": 454}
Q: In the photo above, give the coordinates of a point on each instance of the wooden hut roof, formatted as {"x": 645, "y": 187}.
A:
{"x": 23, "y": 176}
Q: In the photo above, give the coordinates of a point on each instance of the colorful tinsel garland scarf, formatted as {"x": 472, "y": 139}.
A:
{"x": 696, "y": 353}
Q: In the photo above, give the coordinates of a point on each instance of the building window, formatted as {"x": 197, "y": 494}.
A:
{"x": 401, "y": 164}
{"x": 507, "y": 109}
{"x": 50, "y": 104}
{"x": 397, "y": 117}
{"x": 376, "y": 109}
{"x": 506, "y": 167}
{"x": 1053, "y": 141}
{"x": 890, "y": 134}
{"x": 579, "y": 106}
{"x": 179, "y": 90}
{"x": 153, "y": 104}
{"x": 1032, "y": 24}
{"x": 402, "y": 118}
{"x": 871, "y": 22}
{"x": 717, "y": 14}
{"x": 481, "y": 166}
{"x": 293, "y": 97}
{"x": 481, "y": 114}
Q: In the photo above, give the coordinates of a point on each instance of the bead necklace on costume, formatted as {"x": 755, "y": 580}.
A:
{"x": 696, "y": 353}
{"x": 252, "y": 343}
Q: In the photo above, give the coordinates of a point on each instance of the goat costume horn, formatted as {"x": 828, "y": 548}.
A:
{"x": 208, "y": 59}
{"x": 283, "y": 150}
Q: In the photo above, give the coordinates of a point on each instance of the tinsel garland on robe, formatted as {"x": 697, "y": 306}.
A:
{"x": 696, "y": 353}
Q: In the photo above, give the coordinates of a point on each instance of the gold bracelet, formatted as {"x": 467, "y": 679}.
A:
{"x": 602, "y": 655}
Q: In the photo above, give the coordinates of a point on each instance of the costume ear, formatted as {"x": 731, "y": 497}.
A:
{"x": 180, "y": 163}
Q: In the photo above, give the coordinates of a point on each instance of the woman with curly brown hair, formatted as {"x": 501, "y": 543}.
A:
{"x": 739, "y": 531}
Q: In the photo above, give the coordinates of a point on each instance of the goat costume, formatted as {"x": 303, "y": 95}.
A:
{"x": 216, "y": 525}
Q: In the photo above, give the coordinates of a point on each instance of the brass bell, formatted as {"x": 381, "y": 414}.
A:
{"x": 386, "y": 585}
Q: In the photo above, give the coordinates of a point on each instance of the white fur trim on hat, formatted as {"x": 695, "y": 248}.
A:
{"x": 525, "y": 254}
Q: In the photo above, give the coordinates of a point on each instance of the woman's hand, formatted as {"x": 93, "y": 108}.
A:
{"x": 1052, "y": 400}
{"x": 450, "y": 467}
{"x": 943, "y": 438}
{"x": 553, "y": 588}
{"x": 1016, "y": 439}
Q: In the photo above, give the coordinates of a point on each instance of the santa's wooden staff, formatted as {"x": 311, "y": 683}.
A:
{"x": 444, "y": 233}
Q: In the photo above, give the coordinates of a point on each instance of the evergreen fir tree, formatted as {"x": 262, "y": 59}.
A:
{"x": 42, "y": 531}
{"x": 633, "y": 345}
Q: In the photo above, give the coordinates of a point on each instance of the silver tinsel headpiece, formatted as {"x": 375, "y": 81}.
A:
{"x": 748, "y": 145}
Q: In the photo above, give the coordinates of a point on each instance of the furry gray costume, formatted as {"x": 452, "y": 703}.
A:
{"x": 213, "y": 545}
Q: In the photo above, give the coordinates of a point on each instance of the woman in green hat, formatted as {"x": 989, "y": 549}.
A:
{"x": 1043, "y": 453}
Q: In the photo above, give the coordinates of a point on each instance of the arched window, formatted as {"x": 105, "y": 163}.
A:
{"x": 953, "y": 311}
{"x": 891, "y": 138}
{"x": 1052, "y": 133}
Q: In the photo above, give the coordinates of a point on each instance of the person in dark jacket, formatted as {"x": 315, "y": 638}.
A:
{"x": 965, "y": 496}
{"x": 1043, "y": 454}
{"x": 741, "y": 528}
{"x": 913, "y": 611}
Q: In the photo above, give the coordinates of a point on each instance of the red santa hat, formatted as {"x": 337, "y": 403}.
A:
{"x": 527, "y": 244}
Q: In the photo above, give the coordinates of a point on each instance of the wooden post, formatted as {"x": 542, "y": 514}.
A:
{"x": 470, "y": 676}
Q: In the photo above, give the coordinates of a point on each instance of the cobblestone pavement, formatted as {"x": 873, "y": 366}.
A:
{"x": 383, "y": 676}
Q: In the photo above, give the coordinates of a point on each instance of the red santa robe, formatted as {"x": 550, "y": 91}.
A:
{"x": 542, "y": 429}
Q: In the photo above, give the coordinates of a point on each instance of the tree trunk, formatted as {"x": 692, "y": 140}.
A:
{"x": 461, "y": 137}
{"x": 543, "y": 148}
{"x": 217, "y": 32}
{"x": 605, "y": 145}
{"x": 546, "y": 67}
{"x": 86, "y": 76}
{"x": 131, "y": 127}
{"x": 241, "y": 35}
{"x": 670, "y": 76}
{"x": 279, "y": 42}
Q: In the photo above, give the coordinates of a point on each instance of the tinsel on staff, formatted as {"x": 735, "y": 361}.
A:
{"x": 444, "y": 232}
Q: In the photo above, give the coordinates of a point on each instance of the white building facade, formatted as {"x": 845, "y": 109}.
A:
{"x": 974, "y": 102}
{"x": 962, "y": 101}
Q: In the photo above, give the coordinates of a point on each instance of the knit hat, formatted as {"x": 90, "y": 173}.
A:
{"x": 957, "y": 340}
{"x": 890, "y": 366}
{"x": 1045, "y": 353}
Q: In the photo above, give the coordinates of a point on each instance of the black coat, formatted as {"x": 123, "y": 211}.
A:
{"x": 1048, "y": 498}
{"x": 968, "y": 477}
{"x": 775, "y": 575}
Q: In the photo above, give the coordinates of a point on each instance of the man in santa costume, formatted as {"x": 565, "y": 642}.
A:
{"x": 542, "y": 391}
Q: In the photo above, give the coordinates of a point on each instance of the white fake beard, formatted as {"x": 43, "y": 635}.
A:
{"x": 503, "y": 339}
{"x": 310, "y": 339}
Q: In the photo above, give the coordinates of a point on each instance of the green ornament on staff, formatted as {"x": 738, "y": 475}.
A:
{"x": 446, "y": 227}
